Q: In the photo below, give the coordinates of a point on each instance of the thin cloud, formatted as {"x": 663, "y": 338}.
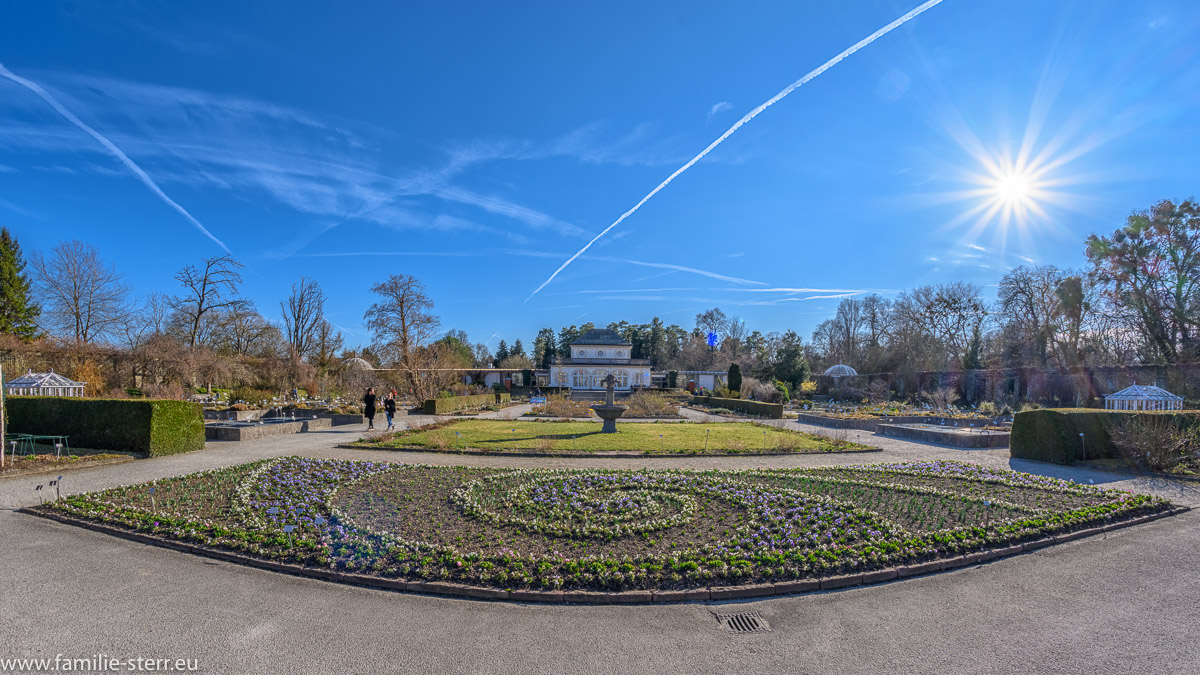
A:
{"x": 737, "y": 125}
{"x": 637, "y": 290}
{"x": 799, "y": 290}
{"x": 678, "y": 268}
{"x": 977, "y": 247}
{"x": 719, "y": 108}
{"x": 112, "y": 148}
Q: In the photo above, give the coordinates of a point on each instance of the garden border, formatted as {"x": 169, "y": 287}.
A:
{"x": 711, "y": 594}
{"x": 615, "y": 454}
{"x": 73, "y": 466}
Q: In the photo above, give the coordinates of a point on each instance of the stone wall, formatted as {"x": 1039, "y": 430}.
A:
{"x": 1081, "y": 386}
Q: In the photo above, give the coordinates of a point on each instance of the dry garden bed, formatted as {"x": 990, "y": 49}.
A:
{"x": 34, "y": 464}
{"x": 551, "y": 437}
{"x": 605, "y": 529}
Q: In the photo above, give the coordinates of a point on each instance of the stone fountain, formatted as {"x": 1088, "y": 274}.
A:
{"x": 610, "y": 411}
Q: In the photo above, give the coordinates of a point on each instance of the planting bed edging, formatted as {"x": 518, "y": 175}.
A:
{"x": 955, "y": 439}
{"x": 714, "y": 594}
{"x": 252, "y": 432}
{"x": 872, "y": 424}
{"x": 598, "y": 453}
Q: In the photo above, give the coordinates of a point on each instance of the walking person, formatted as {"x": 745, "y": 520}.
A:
{"x": 369, "y": 408}
{"x": 389, "y": 409}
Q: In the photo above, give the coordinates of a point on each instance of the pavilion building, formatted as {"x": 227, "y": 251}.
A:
{"x": 595, "y": 355}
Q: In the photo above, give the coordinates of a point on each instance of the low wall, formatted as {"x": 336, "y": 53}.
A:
{"x": 769, "y": 410}
{"x": 442, "y": 406}
{"x": 233, "y": 415}
{"x": 861, "y": 424}
{"x": 252, "y": 432}
{"x": 338, "y": 420}
{"x": 958, "y": 439}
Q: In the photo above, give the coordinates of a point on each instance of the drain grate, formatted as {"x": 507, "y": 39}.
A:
{"x": 745, "y": 622}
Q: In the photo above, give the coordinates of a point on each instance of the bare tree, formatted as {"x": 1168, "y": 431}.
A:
{"x": 147, "y": 319}
{"x": 327, "y": 342}
{"x": 303, "y": 312}
{"x": 208, "y": 289}
{"x": 243, "y": 331}
{"x": 402, "y": 324}
{"x": 85, "y": 299}
{"x": 712, "y": 321}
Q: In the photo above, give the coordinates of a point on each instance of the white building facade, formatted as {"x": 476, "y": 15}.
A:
{"x": 597, "y": 354}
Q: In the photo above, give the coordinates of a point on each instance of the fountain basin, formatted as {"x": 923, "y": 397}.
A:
{"x": 609, "y": 413}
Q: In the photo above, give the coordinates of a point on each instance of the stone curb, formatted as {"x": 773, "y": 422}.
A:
{"x": 717, "y": 593}
{"x": 584, "y": 455}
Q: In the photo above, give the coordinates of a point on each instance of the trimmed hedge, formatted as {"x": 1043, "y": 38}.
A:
{"x": 441, "y": 406}
{"x": 155, "y": 427}
{"x": 772, "y": 410}
{"x": 1052, "y": 435}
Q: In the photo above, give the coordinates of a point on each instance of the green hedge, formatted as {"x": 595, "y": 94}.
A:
{"x": 1052, "y": 435}
{"x": 155, "y": 427}
{"x": 441, "y": 406}
{"x": 772, "y": 410}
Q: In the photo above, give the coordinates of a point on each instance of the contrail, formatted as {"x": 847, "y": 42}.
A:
{"x": 116, "y": 152}
{"x": 737, "y": 125}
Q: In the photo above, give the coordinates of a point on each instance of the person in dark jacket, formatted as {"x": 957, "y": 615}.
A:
{"x": 369, "y": 408}
{"x": 389, "y": 409}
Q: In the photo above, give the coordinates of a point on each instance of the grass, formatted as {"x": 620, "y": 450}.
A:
{"x": 605, "y": 529}
{"x": 650, "y": 438}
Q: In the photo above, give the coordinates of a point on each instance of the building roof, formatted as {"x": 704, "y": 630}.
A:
{"x": 358, "y": 363}
{"x": 840, "y": 371}
{"x": 32, "y": 380}
{"x": 602, "y": 336}
{"x": 1144, "y": 392}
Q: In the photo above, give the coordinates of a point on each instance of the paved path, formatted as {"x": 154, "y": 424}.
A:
{"x": 1123, "y": 602}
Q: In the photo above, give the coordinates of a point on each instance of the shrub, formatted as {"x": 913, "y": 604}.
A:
{"x": 441, "y": 406}
{"x": 772, "y": 410}
{"x": 808, "y": 388}
{"x": 251, "y": 395}
{"x": 563, "y": 406}
{"x": 647, "y": 404}
{"x": 150, "y": 426}
{"x": 988, "y": 408}
{"x": 784, "y": 393}
{"x": 1155, "y": 442}
{"x": 672, "y": 379}
{"x": 1052, "y": 435}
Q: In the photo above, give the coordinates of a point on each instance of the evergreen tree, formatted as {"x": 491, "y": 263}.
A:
{"x": 791, "y": 365}
{"x": 501, "y": 353}
{"x": 18, "y": 311}
{"x": 544, "y": 348}
{"x": 518, "y": 349}
{"x": 734, "y": 379}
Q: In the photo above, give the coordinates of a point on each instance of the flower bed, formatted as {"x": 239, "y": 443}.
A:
{"x": 605, "y": 529}
{"x": 550, "y": 437}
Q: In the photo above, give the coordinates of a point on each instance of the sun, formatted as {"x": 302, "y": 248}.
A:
{"x": 1014, "y": 188}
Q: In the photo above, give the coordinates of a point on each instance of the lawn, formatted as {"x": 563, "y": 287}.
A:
{"x": 650, "y": 438}
{"x": 605, "y": 529}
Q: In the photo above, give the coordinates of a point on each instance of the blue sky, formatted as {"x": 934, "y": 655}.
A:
{"x": 479, "y": 146}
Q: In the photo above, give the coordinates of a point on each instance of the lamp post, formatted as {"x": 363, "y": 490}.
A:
{"x": 1082, "y": 446}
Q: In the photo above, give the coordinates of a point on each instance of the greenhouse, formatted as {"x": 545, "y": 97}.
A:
{"x": 43, "y": 384}
{"x": 1143, "y": 397}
